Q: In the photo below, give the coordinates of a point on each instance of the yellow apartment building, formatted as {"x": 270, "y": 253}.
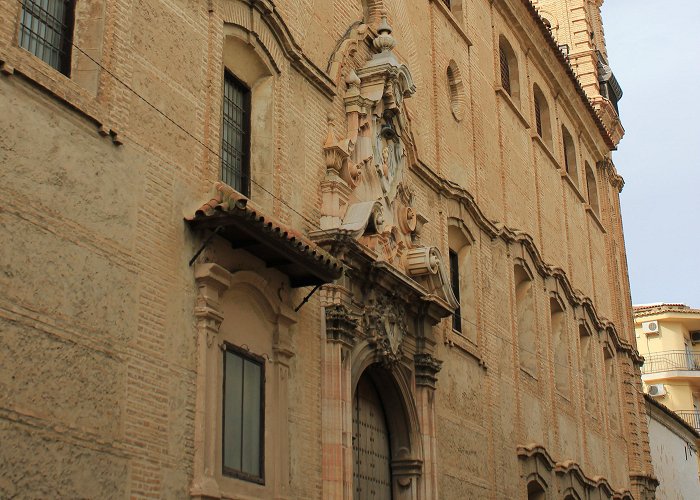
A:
{"x": 668, "y": 336}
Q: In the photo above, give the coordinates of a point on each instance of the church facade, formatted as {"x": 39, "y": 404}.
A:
{"x": 296, "y": 249}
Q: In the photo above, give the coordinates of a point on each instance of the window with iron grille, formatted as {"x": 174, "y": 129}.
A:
{"x": 46, "y": 30}
{"x": 235, "y": 135}
{"x": 538, "y": 116}
{"x": 505, "y": 70}
{"x": 454, "y": 282}
{"x": 243, "y": 415}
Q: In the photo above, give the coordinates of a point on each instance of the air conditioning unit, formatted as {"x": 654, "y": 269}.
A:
{"x": 695, "y": 337}
{"x": 650, "y": 327}
{"x": 656, "y": 390}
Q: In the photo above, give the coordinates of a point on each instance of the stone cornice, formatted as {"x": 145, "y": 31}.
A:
{"x": 608, "y": 168}
{"x": 495, "y": 230}
{"x": 540, "y": 453}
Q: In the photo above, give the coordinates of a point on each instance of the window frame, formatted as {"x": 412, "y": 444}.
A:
{"x": 260, "y": 361}
{"x": 591, "y": 188}
{"x": 543, "y": 118}
{"x": 509, "y": 70}
{"x": 27, "y": 8}
{"x": 570, "y": 152}
{"x": 246, "y": 173}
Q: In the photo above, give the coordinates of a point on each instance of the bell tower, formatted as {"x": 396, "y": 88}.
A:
{"x": 577, "y": 27}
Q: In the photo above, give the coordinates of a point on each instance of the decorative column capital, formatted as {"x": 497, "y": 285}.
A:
{"x": 212, "y": 280}
{"x": 427, "y": 368}
{"x": 340, "y": 325}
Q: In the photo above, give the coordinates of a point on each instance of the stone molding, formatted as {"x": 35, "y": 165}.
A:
{"x": 265, "y": 16}
{"x": 213, "y": 281}
{"x": 564, "y": 476}
{"x": 498, "y": 230}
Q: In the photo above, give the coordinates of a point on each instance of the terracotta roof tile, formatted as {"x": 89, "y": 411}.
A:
{"x": 227, "y": 201}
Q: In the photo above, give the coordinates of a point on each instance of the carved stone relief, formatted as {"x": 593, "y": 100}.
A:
{"x": 368, "y": 193}
{"x": 384, "y": 323}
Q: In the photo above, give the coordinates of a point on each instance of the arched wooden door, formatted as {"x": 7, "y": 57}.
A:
{"x": 370, "y": 444}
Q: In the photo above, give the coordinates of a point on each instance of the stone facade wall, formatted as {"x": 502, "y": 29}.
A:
{"x": 98, "y": 352}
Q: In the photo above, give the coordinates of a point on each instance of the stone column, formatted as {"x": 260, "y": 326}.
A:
{"x": 337, "y": 403}
{"x": 427, "y": 368}
{"x": 212, "y": 281}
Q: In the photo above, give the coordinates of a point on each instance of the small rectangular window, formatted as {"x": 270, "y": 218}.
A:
{"x": 46, "y": 30}
{"x": 243, "y": 416}
{"x": 454, "y": 282}
{"x": 235, "y": 135}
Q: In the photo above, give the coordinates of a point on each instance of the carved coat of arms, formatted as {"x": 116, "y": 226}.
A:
{"x": 384, "y": 322}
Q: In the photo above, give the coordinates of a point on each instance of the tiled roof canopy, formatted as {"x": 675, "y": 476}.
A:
{"x": 239, "y": 221}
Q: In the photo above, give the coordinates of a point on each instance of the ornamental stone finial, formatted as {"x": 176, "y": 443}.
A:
{"x": 384, "y": 41}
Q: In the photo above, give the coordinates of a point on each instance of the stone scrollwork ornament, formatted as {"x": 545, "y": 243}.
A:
{"x": 367, "y": 193}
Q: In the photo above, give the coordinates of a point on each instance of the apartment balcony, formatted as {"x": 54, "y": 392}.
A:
{"x": 671, "y": 364}
{"x": 691, "y": 417}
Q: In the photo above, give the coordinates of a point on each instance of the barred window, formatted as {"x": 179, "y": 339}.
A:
{"x": 505, "y": 71}
{"x": 508, "y": 64}
{"x": 235, "y": 135}
{"x": 542, "y": 116}
{"x": 243, "y": 419}
{"x": 569, "y": 154}
{"x": 454, "y": 282}
{"x": 46, "y": 30}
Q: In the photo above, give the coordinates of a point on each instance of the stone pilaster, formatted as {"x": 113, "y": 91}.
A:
{"x": 337, "y": 403}
{"x": 212, "y": 281}
{"x": 427, "y": 368}
{"x": 282, "y": 353}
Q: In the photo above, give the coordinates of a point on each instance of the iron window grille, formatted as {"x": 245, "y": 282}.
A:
{"x": 46, "y": 30}
{"x": 235, "y": 135}
{"x": 454, "y": 282}
{"x": 538, "y": 117}
{"x": 243, "y": 418}
{"x": 505, "y": 71}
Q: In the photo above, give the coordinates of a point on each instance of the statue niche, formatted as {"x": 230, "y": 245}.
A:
{"x": 367, "y": 192}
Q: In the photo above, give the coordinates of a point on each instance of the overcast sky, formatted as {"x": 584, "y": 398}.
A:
{"x": 654, "y": 52}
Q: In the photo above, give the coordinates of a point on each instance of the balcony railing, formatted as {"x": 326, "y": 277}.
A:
{"x": 666, "y": 361}
{"x": 691, "y": 417}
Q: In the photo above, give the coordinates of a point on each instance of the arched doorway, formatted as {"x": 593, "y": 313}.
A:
{"x": 371, "y": 446}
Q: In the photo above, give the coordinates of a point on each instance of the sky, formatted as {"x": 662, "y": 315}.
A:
{"x": 654, "y": 51}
